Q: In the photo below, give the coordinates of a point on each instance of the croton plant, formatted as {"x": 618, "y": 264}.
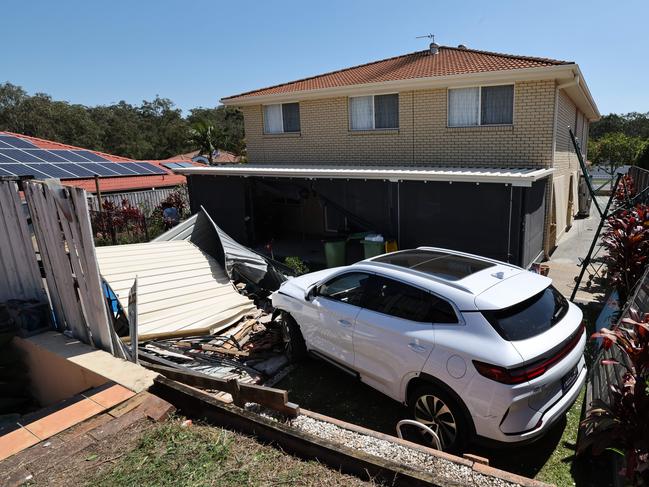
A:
{"x": 622, "y": 423}
{"x": 626, "y": 239}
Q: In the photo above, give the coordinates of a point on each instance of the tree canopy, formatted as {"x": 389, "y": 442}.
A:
{"x": 154, "y": 129}
{"x": 616, "y": 140}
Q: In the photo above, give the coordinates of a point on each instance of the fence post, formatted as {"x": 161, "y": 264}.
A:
{"x": 146, "y": 229}
{"x": 113, "y": 233}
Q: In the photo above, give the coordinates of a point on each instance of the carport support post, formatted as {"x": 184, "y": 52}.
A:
{"x": 399, "y": 215}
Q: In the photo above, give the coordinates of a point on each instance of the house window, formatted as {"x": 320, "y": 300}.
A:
{"x": 374, "y": 112}
{"x": 282, "y": 118}
{"x": 486, "y": 105}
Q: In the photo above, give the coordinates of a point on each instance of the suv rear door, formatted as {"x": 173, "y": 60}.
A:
{"x": 394, "y": 332}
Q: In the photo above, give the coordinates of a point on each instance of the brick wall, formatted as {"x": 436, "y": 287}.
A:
{"x": 423, "y": 137}
{"x": 566, "y": 163}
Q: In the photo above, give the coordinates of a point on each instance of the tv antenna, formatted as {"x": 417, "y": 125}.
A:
{"x": 429, "y": 36}
{"x": 433, "y": 47}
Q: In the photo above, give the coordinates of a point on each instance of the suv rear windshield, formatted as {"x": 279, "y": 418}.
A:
{"x": 530, "y": 317}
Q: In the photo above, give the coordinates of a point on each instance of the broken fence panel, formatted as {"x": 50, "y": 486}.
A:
{"x": 18, "y": 263}
{"x": 132, "y": 320}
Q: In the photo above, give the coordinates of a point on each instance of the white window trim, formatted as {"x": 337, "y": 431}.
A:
{"x": 349, "y": 112}
{"x": 448, "y": 106}
{"x": 281, "y": 113}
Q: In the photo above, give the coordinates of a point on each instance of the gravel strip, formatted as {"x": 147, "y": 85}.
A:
{"x": 387, "y": 450}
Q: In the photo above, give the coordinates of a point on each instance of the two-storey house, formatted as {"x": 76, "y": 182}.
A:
{"x": 450, "y": 147}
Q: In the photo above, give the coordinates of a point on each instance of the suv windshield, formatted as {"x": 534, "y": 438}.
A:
{"x": 530, "y": 317}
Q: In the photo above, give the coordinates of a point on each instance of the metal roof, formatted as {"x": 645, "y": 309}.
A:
{"x": 181, "y": 290}
{"x": 513, "y": 176}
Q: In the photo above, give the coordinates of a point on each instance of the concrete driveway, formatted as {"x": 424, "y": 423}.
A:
{"x": 573, "y": 246}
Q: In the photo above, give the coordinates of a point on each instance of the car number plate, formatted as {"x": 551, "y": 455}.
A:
{"x": 569, "y": 379}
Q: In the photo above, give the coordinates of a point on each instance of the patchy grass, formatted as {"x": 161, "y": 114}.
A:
{"x": 170, "y": 454}
{"x": 559, "y": 469}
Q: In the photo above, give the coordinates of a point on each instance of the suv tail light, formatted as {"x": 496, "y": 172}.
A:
{"x": 531, "y": 371}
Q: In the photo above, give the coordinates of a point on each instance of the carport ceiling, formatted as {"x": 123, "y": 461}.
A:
{"x": 515, "y": 177}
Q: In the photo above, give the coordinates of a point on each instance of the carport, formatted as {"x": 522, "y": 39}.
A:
{"x": 499, "y": 213}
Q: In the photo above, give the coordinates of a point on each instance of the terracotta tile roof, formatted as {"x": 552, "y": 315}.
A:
{"x": 222, "y": 157}
{"x": 116, "y": 184}
{"x": 420, "y": 64}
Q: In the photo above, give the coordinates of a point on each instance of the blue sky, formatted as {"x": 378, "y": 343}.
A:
{"x": 195, "y": 52}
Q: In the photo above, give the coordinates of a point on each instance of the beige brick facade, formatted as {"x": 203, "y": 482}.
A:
{"x": 566, "y": 167}
{"x": 423, "y": 137}
{"x": 537, "y": 138}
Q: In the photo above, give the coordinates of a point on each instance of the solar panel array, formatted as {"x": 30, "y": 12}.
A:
{"x": 19, "y": 157}
{"x": 177, "y": 165}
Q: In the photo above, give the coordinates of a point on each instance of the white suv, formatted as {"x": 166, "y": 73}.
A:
{"x": 475, "y": 347}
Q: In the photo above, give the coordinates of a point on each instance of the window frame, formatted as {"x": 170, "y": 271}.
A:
{"x": 480, "y": 124}
{"x": 319, "y": 286}
{"x": 458, "y": 315}
{"x": 373, "y": 95}
{"x": 281, "y": 111}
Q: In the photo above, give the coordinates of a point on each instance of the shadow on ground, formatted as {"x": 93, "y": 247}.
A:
{"x": 323, "y": 388}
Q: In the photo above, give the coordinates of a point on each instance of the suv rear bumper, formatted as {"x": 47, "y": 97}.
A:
{"x": 544, "y": 420}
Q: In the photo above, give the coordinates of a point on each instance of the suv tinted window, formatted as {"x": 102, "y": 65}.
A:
{"x": 403, "y": 301}
{"x": 531, "y": 317}
{"x": 347, "y": 288}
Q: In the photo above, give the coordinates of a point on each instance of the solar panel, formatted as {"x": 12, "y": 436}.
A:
{"x": 145, "y": 168}
{"x": 171, "y": 165}
{"x": 68, "y": 155}
{"x": 4, "y": 145}
{"x": 100, "y": 169}
{"x": 77, "y": 169}
{"x": 91, "y": 156}
{"x": 133, "y": 167}
{"x": 185, "y": 164}
{"x": 152, "y": 167}
{"x": 4, "y": 158}
{"x": 16, "y": 142}
{"x": 45, "y": 155}
{"x": 51, "y": 170}
{"x": 23, "y": 170}
{"x": 21, "y": 155}
{"x": 4, "y": 173}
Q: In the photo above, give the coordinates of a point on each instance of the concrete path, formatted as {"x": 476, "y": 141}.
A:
{"x": 573, "y": 246}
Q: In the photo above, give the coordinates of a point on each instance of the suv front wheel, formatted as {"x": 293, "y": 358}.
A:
{"x": 295, "y": 347}
{"x": 439, "y": 411}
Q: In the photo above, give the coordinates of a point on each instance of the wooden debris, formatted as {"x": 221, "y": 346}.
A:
{"x": 269, "y": 397}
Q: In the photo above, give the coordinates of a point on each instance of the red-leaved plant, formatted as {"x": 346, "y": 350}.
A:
{"x": 115, "y": 219}
{"x": 627, "y": 241}
{"x": 625, "y": 190}
{"x": 622, "y": 424}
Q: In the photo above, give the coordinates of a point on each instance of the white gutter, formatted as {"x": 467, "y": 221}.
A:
{"x": 574, "y": 82}
{"x": 520, "y": 177}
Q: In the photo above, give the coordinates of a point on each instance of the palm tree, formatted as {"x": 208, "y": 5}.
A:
{"x": 206, "y": 138}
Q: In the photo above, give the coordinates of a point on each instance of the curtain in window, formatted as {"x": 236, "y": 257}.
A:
{"x": 273, "y": 119}
{"x": 386, "y": 111}
{"x": 361, "y": 113}
{"x": 463, "y": 107}
{"x": 291, "y": 115}
{"x": 497, "y": 105}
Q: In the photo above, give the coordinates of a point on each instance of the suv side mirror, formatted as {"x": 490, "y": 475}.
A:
{"x": 311, "y": 292}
